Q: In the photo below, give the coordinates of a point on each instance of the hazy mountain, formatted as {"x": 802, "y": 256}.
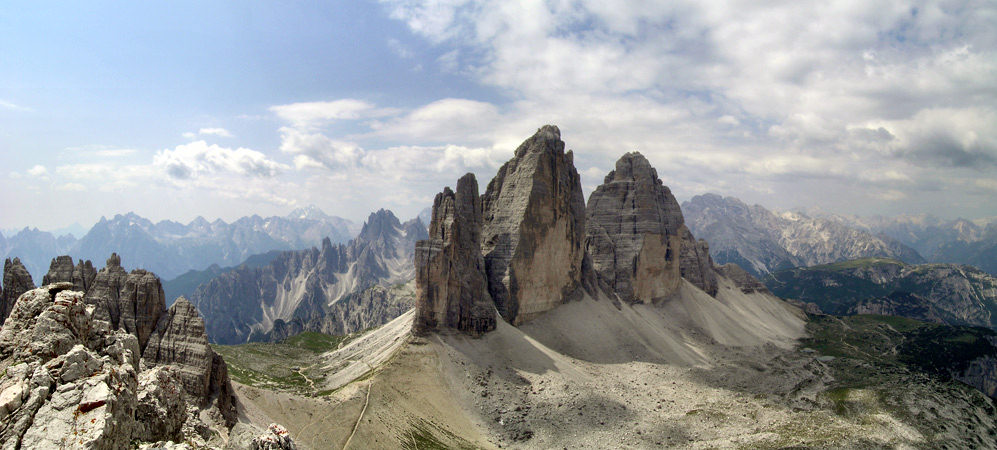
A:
{"x": 943, "y": 293}
{"x": 302, "y": 289}
{"x": 761, "y": 241}
{"x": 36, "y": 249}
{"x": 185, "y": 285}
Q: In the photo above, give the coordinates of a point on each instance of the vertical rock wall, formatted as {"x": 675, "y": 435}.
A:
{"x": 451, "y": 286}
{"x": 534, "y": 229}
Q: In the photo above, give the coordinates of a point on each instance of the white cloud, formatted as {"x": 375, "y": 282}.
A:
{"x": 220, "y": 132}
{"x": 400, "y": 49}
{"x": 13, "y": 106}
{"x": 38, "y": 171}
{"x": 72, "y": 187}
{"x": 312, "y": 114}
{"x": 197, "y": 158}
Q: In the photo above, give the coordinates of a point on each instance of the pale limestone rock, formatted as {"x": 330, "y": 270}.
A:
{"x": 161, "y": 410}
{"x": 275, "y": 438}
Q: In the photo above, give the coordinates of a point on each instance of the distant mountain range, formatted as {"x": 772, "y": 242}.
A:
{"x": 942, "y": 293}
{"x": 761, "y": 241}
{"x": 170, "y": 248}
{"x": 325, "y": 289}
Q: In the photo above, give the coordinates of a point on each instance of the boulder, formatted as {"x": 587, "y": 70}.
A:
{"x": 533, "y": 229}
{"x": 634, "y": 230}
{"x": 16, "y": 281}
{"x": 451, "y": 285}
{"x": 275, "y": 438}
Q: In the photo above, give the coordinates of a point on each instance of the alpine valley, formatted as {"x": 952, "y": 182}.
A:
{"x": 515, "y": 313}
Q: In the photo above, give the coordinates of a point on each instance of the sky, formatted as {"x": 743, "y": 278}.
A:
{"x": 224, "y": 109}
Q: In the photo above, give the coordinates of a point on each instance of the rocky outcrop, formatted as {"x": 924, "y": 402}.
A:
{"x": 179, "y": 340}
{"x": 275, "y": 438}
{"x": 635, "y": 229}
{"x": 161, "y": 409}
{"x": 451, "y": 286}
{"x": 16, "y": 281}
{"x": 742, "y": 279}
{"x": 534, "y": 229}
{"x": 60, "y": 270}
{"x": 69, "y": 381}
{"x": 106, "y": 290}
{"x": 83, "y": 276}
{"x": 981, "y": 373}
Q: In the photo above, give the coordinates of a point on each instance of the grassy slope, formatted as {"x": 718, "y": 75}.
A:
{"x": 283, "y": 366}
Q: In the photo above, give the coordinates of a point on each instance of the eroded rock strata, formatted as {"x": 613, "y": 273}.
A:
{"x": 634, "y": 227}
{"x": 451, "y": 286}
{"x": 534, "y": 229}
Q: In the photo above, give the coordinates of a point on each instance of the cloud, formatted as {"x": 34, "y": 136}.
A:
{"x": 12, "y": 106}
{"x": 312, "y": 114}
{"x": 400, "y": 49}
{"x": 197, "y": 158}
{"x": 787, "y": 100}
{"x": 220, "y": 132}
{"x": 38, "y": 171}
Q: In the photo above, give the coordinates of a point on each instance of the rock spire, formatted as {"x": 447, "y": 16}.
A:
{"x": 16, "y": 281}
{"x": 451, "y": 286}
{"x": 534, "y": 229}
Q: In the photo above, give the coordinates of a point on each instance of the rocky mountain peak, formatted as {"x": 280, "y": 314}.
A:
{"x": 113, "y": 261}
{"x": 381, "y": 223}
{"x": 16, "y": 281}
{"x": 61, "y": 269}
{"x": 534, "y": 229}
{"x": 637, "y": 239}
{"x": 451, "y": 285}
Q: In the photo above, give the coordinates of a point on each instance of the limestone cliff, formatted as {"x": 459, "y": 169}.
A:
{"x": 696, "y": 264}
{"x": 534, "y": 229}
{"x": 635, "y": 230}
{"x": 451, "y": 286}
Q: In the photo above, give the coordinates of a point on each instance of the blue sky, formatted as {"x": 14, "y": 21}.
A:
{"x": 224, "y": 109}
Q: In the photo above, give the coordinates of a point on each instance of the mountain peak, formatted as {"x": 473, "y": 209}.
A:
{"x": 379, "y": 223}
{"x": 310, "y": 212}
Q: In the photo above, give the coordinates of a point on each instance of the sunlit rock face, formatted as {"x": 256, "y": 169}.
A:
{"x": 534, "y": 229}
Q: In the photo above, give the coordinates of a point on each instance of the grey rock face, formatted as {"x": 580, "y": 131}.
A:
{"x": 451, "y": 286}
{"x": 16, "y": 281}
{"x": 60, "y": 270}
{"x": 534, "y": 229}
{"x": 83, "y": 276}
{"x": 635, "y": 230}
{"x": 696, "y": 264}
{"x": 744, "y": 280}
{"x": 179, "y": 340}
{"x": 106, "y": 290}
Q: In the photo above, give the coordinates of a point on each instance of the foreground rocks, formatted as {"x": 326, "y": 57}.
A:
{"x": 451, "y": 286}
{"x": 275, "y": 438}
{"x": 16, "y": 281}
{"x": 108, "y": 368}
{"x": 533, "y": 231}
